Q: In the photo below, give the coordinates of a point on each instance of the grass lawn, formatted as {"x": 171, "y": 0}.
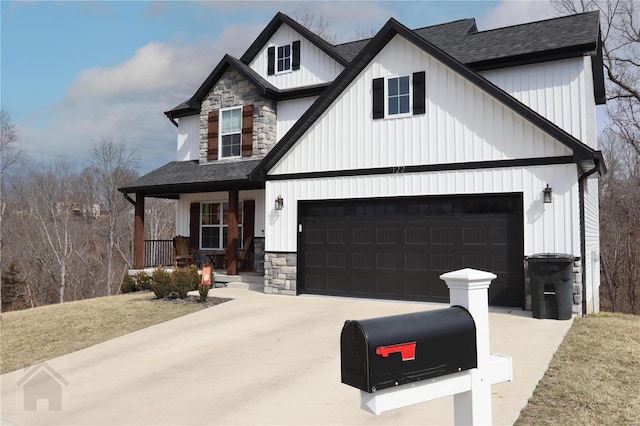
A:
{"x": 594, "y": 377}
{"x": 35, "y": 335}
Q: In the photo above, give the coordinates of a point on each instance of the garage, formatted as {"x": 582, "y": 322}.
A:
{"x": 396, "y": 248}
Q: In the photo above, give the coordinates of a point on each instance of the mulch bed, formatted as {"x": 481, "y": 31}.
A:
{"x": 211, "y": 301}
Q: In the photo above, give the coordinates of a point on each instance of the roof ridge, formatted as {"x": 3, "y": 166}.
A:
{"x": 523, "y": 24}
{"x": 444, "y": 23}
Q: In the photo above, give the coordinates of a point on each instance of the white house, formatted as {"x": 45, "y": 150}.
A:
{"x": 367, "y": 169}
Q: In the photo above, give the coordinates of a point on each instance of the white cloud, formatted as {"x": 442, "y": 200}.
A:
{"x": 514, "y": 12}
{"x": 127, "y": 101}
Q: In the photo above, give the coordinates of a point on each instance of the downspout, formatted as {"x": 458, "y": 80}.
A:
{"x": 583, "y": 239}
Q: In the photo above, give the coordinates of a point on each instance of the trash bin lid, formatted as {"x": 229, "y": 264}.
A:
{"x": 551, "y": 257}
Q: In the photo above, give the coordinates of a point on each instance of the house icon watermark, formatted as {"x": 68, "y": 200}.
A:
{"x": 42, "y": 388}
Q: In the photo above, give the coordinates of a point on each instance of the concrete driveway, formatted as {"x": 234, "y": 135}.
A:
{"x": 259, "y": 359}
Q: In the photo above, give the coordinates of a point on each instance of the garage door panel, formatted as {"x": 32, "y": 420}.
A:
{"x": 475, "y": 262}
{"x": 398, "y": 248}
{"x": 442, "y": 262}
{"x": 442, "y": 236}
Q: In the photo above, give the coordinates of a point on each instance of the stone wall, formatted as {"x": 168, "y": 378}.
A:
{"x": 280, "y": 273}
{"x": 234, "y": 90}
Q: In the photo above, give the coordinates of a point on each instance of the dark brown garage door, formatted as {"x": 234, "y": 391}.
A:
{"x": 397, "y": 248}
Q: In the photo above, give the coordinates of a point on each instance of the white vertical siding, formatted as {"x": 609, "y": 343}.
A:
{"x": 590, "y": 107}
{"x": 561, "y": 91}
{"x": 462, "y": 123}
{"x": 289, "y": 112}
{"x": 552, "y": 228}
{"x": 184, "y": 203}
{"x": 188, "y": 138}
{"x": 315, "y": 66}
{"x": 592, "y": 241}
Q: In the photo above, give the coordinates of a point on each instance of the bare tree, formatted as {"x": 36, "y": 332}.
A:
{"x": 316, "y": 23}
{"x": 51, "y": 197}
{"x": 620, "y": 188}
{"x": 113, "y": 165}
{"x": 160, "y": 219}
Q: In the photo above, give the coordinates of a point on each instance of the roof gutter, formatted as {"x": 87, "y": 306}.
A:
{"x": 598, "y": 164}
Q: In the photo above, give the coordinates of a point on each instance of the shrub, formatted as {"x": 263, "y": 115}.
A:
{"x": 194, "y": 277}
{"x": 181, "y": 282}
{"x": 128, "y": 284}
{"x": 143, "y": 280}
{"x": 161, "y": 283}
{"x": 204, "y": 286}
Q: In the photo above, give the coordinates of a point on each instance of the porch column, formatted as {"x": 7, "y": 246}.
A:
{"x": 138, "y": 233}
{"x": 232, "y": 223}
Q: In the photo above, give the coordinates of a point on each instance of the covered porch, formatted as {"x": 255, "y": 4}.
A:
{"x": 220, "y": 210}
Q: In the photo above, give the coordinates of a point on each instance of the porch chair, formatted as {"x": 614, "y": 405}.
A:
{"x": 182, "y": 252}
{"x": 244, "y": 256}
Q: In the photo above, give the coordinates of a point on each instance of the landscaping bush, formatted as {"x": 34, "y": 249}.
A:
{"x": 128, "y": 284}
{"x": 194, "y": 277}
{"x": 143, "y": 281}
{"x": 161, "y": 283}
{"x": 204, "y": 287}
{"x": 181, "y": 282}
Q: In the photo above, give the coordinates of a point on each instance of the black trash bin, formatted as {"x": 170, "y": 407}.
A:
{"x": 551, "y": 285}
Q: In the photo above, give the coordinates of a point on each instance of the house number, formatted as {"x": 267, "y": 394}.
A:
{"x": 398, "y": 169}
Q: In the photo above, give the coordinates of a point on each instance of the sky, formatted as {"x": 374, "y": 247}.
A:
{"x": 75, "y": 72}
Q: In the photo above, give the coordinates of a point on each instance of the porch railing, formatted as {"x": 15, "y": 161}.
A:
{"x": 158, "y": 253}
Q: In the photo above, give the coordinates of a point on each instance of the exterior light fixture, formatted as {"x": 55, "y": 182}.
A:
{"x": 279, "y": 203}
{"x": 546, "y": 195}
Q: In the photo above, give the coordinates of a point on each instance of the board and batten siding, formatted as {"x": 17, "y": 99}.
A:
{"x": 561, "y": 91}
{"x": 184, "y": 203}
{"x": 289, "y": 112}
{"x": 462, "y": 123}
{"x": 592, "y": 242}
{"x": 552, "y": 228}
{"x": 188, "y": 138}
{"x": 316, "y": 67}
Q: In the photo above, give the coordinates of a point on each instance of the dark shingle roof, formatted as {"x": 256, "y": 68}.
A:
{"x": 179, "y": 177}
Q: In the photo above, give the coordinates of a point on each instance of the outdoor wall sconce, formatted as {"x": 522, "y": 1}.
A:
{"x": 279, "y": 203}
{"x": 546, "y": 194}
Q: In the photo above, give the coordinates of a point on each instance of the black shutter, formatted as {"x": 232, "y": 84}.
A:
{"x": 378, "y": 98}
{"x": 419, "y": 92}
{"x": 295, "y": 47}
{"x": 271, "y": 59}
{"x": 194, "y": 226}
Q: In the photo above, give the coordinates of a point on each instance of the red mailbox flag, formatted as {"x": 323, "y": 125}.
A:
{"x": 407, "y": 350}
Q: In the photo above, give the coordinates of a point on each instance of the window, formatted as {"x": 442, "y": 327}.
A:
{"x": 214, "y": 226}
{"x": 398, "y": 95}
{"x": 231, "y": 132}
{"x": 284, "y": 58}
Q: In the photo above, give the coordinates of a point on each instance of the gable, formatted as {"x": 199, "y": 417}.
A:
{"x": 315, "y": 65}
{"x": 462, "y": 123}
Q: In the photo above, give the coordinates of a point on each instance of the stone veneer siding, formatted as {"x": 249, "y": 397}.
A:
{"x": 280, "y": 273}
{"x": 234, "y": 90}
{"x": 577, "y": 287}
{"x": 258, "y": 254}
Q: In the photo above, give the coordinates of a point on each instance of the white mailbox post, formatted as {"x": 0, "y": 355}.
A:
{"x": 471, "y": 388}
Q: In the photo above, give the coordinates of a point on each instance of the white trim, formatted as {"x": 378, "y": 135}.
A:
{"x": 386, "y": 96}
{"x": 221, "y": 134}
{"x": 220, "y": 225}
{"x": 277, "y": 58}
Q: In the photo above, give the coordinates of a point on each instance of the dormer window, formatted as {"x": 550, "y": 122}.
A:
{"x": 398, "y": 95}
{"x": 284, "y": 58}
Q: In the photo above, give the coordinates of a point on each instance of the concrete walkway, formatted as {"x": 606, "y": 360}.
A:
{"x": 259, "y": 359}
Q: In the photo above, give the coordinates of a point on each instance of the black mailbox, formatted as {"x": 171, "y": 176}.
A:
{"x": 384, "y": 352}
